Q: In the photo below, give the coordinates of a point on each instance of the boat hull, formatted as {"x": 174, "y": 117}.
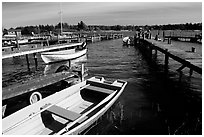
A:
{"x": 88, "y": 101}
{"x": 94, "y": 118}
{"x": 50, "y": 57}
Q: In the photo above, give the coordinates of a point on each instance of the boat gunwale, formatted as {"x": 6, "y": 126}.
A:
{"x": 41, "y": 110}
{"x": 48, "y": 61}
{"x": 113, "y": 97}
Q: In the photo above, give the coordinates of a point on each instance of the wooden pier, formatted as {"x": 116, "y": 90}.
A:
{"x": 189, "y": 59}
{"x": 26, "y": 51}
{"x": 34, "y": 50}
{"x": 181, "y": 35}
{"x": 35, "y": 89}
{"x": 195, "y": 38}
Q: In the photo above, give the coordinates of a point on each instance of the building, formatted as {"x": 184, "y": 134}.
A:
{"x": 13, "y": 32}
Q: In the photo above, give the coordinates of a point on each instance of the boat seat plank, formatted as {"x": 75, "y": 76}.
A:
{"x": 99, "y": 89}
{"x": 103, "y": 85}
{"x": 64, "y": 113}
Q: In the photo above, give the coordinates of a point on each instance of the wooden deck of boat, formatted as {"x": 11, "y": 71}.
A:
{"x": 35, "y": 50}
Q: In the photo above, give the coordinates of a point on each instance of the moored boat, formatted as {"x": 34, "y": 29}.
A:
{"x": 56, "y": 56}
{"x": 126, "y": 40}
{"x": 69, "y": 111}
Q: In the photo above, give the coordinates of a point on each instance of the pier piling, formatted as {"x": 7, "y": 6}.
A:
{"x": 191, "y": 59}
{"x": 169, "y": 40}
{"x": 166, "y": 60}
{"x": 28, "y": 64}
{"x": 36, "y": 61}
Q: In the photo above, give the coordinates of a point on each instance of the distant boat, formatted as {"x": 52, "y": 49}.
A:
{"x": 126, "y": 41}
{"x": 69, "y": 111}
{"x": 56, "y": 56}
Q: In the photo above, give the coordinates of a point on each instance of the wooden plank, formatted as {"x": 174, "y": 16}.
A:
{"x": 35, "y": 50}
{"x": 64, "y": 113}
{"x": 98, "y": 89}
{"x": 177, "y": 54}
{"x": 103, "y": 85}
{"x": 34, "y": 84}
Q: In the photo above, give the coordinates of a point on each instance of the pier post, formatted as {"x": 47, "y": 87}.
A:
{"x": 155, "y": 54}
{"x": 28, "y": 64}
{"x": 69, "y": 63}
{"x": 166, "y": 60}
{"x": 36, "y": 60}
{"x": 169, "y": 40}
{"x": 82, "y": 72}
{"x": 191, "y": 72}
{"x": 47, "y": 42}
{"x": 17, "y": 44}
{"x": 163, "y": 36}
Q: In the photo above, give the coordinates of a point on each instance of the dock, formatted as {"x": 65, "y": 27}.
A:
{"x": 33, "y": 50}
{"x": 31, "y": 85}
{"x": 179, "y": 35}
{"x": 37, "y": 88}
{"x": 189, "y": 59}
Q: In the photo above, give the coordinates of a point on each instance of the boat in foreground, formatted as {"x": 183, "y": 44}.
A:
{"x": 66, "y": 54}
{"x": 69, "y": 111}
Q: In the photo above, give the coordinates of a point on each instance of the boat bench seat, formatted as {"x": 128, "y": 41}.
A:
{"x": 64, "y": 113}
{"x": 99, "y": 89}
{"x": 103, "y": 85}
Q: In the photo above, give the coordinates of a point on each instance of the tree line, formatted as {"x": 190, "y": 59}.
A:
{"x": 28, "y": 30}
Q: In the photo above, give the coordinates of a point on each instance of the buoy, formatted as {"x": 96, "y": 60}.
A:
{"x": 35, "y": 97}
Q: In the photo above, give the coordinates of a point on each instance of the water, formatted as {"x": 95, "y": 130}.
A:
{"x": 151, "y": 103}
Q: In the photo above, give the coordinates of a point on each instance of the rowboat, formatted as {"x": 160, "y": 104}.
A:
{"x": 56, "y": 56}
{"x": 70, "y": 111}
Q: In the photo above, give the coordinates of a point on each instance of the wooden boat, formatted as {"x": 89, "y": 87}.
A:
{"x": 56, "y": 56}
{"x": 69, "y": 111}
{"x": 19, "y": 95}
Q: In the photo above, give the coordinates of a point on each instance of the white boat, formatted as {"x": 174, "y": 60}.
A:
{"x": 126, "y": 40}
{"x": 56, "y": 56}
{"x": 69, "y": 111}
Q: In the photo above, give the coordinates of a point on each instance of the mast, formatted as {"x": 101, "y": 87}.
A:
{"x": 61, "y": 16}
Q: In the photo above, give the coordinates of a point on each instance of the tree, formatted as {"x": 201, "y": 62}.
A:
{"x": 82, "y": 26}
{"x": 5, "y": 31}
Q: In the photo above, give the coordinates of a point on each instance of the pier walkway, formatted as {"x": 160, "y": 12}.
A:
{"x": 26, "y": 51}
{"x": 189, "y": 59}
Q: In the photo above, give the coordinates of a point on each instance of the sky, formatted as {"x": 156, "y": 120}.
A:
{"x": 15, "y": 14}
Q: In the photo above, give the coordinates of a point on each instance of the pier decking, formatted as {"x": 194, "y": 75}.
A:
{"x": 36, "y": 50}
{"x": 189, "y": 59}
{"x": 28, "y": 86}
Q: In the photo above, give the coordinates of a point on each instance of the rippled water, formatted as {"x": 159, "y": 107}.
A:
{"x": 152, "y": 103}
